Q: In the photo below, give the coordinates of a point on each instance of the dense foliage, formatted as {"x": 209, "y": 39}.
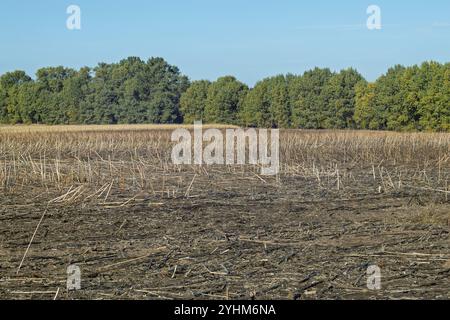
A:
{"x": 133, "y": 91}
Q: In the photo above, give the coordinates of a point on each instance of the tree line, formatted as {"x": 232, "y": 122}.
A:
{"x": 135, "y": 91}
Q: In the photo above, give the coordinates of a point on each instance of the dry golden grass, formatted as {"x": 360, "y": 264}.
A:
{"x": 64, "y": 156}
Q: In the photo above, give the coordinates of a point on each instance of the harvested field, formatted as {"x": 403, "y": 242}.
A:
{"x": 111, "y": 202}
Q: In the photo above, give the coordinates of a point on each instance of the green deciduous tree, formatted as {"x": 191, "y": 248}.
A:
{"x": 10, "y": 84}
{"x": 308, "y": 99}
{"x": 365, "y": 116}
{"x": 267, "y": 105}
{"x": 434, "y": 105}
{"x": 279, "y": 102}
{"x": 48, "y": 87}
{"x": 341, "y": 99}
{"x": 255, "y": 107}
{"x": 225, "y": 97}
{"x": 153, "y": 91}
{"x": 193, "y": 101}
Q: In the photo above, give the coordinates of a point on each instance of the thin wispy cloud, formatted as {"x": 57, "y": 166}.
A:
{"x": 343, "y": 27}
{"x": 441, "y": 25}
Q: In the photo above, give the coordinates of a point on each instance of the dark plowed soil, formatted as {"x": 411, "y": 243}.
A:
{"x": 230, "y": 235}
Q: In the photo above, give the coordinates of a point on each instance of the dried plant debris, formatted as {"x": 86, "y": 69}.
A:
{"x": 140, "y": 228}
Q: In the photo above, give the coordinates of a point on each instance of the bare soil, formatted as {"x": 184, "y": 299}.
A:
{"x": 230, "y": 234}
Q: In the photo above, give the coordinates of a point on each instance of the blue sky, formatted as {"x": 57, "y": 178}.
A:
{"x": 250, "y": 39}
